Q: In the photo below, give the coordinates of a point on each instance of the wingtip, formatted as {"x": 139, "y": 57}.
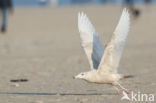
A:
{"x": 125, "y": 10}
{"x": 82, "y": 17}
{"x": 126, "y": 13}
{"x": 84, "y": 22}
{"x": 80, "y": 13}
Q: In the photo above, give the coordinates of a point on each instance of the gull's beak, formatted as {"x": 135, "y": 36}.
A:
{"x": 74, "y": 77}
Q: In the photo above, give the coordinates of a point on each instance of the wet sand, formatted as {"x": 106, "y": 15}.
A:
{"x": 43, "y": 46}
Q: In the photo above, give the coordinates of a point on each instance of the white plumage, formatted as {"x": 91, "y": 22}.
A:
{"x": 103, "y": 62}
{"x": 114, "y": 48}
{"x": 90, "y": 41}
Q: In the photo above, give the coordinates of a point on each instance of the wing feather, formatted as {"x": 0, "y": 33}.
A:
{"x": 90, "y": 41}
{"x": 114, "y": 48}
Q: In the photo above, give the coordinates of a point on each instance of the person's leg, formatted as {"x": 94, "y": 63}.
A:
{"x": 4, "y": 20}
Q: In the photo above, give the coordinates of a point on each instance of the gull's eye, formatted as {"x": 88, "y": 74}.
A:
{"x": 82, "y": 74}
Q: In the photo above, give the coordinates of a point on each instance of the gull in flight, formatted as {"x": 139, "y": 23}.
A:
{"x": 104, "y": 61}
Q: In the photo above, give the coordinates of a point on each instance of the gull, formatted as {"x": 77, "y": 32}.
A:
{"x": 104, "y": 61}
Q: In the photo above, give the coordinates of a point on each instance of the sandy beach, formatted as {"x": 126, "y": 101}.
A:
{"x": 43, "y": 46}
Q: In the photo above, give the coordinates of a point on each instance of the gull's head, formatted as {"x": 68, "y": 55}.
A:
{"x": 82, "y": 75}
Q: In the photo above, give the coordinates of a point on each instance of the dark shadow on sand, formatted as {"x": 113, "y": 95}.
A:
{"x": 58, "y": 94}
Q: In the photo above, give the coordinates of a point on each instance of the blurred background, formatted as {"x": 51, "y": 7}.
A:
{"x": 40, "y": 49}
{"x": 72, "y": 2}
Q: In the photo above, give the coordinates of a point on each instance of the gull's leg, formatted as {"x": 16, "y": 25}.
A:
{"x": 118, "y": 90}
{"x": 126, "y": 90}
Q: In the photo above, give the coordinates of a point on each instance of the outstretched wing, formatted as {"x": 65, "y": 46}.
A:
{"x": 114, "y": 48}
{"x": 90, "y": 41}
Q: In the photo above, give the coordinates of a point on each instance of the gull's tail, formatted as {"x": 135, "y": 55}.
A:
{"x": 126, "y": 76}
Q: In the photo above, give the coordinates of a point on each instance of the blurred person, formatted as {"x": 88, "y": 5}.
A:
{"x": 5, "y": 5}
{"x": 130, "y": 4}
{"x": 147, "y": 1}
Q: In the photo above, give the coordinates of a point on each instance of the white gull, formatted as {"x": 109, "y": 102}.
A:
{"x": 103, "y": 62}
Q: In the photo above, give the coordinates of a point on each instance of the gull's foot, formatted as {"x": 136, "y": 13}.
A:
{"x": 119, "y": 92}
{"x": 127, "y": 91}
